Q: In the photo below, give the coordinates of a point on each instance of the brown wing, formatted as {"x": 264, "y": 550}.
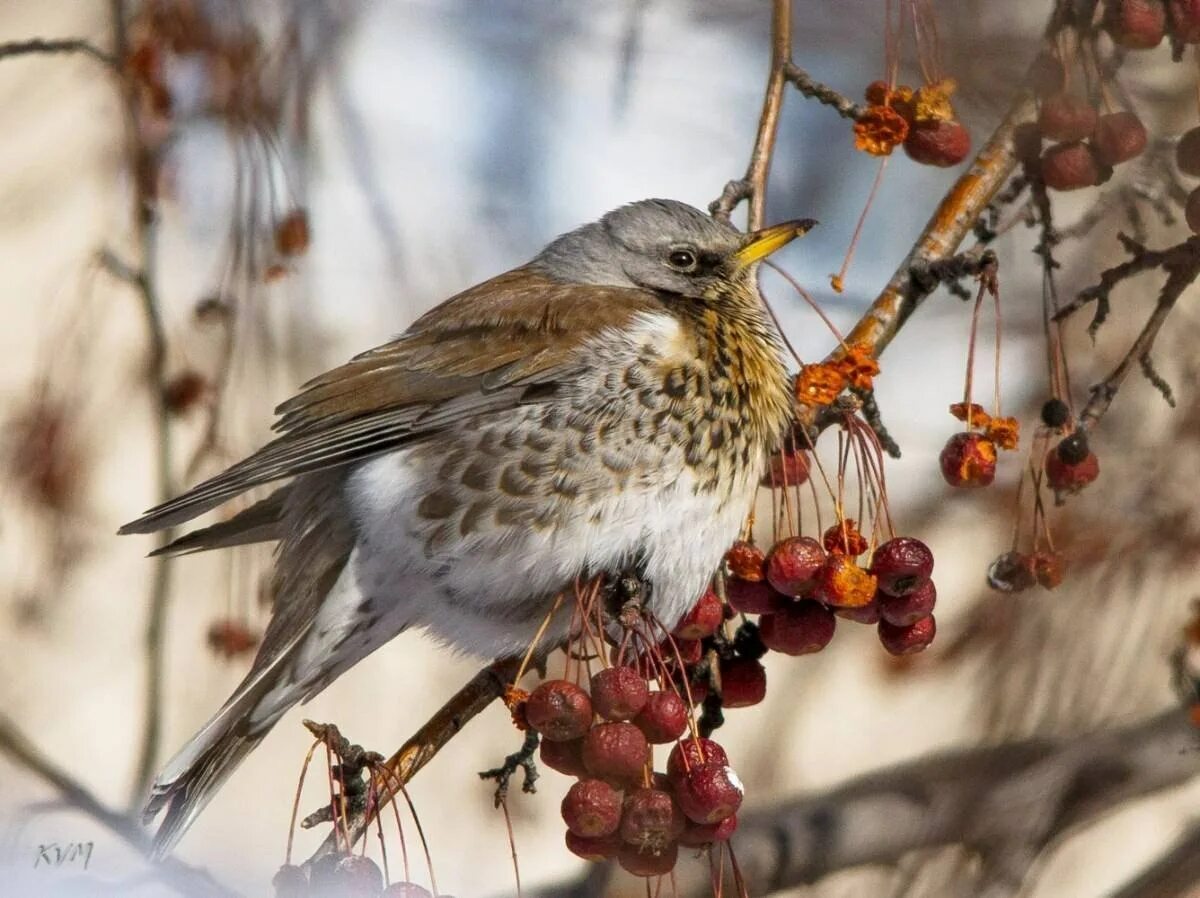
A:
{"x": 505, "y": 342}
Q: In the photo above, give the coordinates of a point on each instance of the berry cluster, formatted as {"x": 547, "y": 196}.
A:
{"x": 340, "y": 874}
{"x": 922, "y": 120}
{"x": 619, "y": 807}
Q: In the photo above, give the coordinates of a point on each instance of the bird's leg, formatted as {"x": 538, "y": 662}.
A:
{"x": 351, "y": 773}
{"x": 522, "y": 759}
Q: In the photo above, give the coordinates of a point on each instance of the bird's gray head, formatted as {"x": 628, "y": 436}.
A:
{"x": 660, "y": 245}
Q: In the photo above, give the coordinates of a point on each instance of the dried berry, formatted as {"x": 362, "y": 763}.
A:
{"x": 229, "y": 637}
{"x": 843, "y": 584}
{"x": 1066, "y": 117}
{"x": 619, "y": 693}
{"x": 1183, "y": 20}
{"x": 1070, "y": 166}
{"x": 843, "y": 538}
{"x": 743, "y": 682}
{"x": 801, "y": 628}
{"x": 651, "y": 819}
{"x": 902, "y": 565}
{"x": 710, "y": 794}
{"x": 1119, "y": 137}
{"x": 787, "y": 469}
{"x": 1187, "y": 152}
{"x": 746, "y": 561}
{"x": 698, "y": 835}
{"x": 908, "y": 640}
{"x": 1136, "y": 24}
{"x": 592, "y": 808}
{"x": 704, "y": 618}
{"x": 664, "y": 718}
{"x": 598, "y": 849}
{"x": 616, "y": 752}
{"x": 290, "y": 882}
{"x": 1011, "y": 572}
{"x": 565, "y": 757}
{"x": 692, "y": 753}
{"x": 648, "y": 863}
{"x": 910, "y": 607}
{"x": 1048, "y": 568}
{"x": 559, "y": 710}
{"x": 753, "y": 598}
{"x": 358, "y": 875}
{"x": 940, "y": 143}
{"x": 793, "y": 563}
{"x": 1070, "y": 478}
{"x": 968, "y": 460}
{"x": 1073, "y": 449}
{"x": 291, "y": 233}
{"x": 1055, "y": 413}
{"x": 863, "y": 614}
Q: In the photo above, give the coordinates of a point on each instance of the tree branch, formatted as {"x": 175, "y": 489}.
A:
{"x": 42, "y": 46}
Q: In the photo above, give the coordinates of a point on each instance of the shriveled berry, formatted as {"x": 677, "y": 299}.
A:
{"x": 746, "y": 561}
{"x": 693, "y": 753}
{"x": 787, "y": 469}
{"x": 698, "y": 835}
{"x": 599, "y": 849}
{"x": 843, "y": 538}
{"x": 801, "y": 628}
{"x": 1119, "y": 137}
{"x": 1191, "y": 211}
{"x": 615, "y": 752}
{"x": 843, "y": 584}
{"x": 1073, "y": 448}
{"x": 743, "y": 682}
{"x": 290, "y": 881}
{"x": 1065, "y": 478}
{"x": 940, "y": 143}
{"x": 1070, "y": 166}
{"x": 704, "y": 618}
{"x": 1136, "y": 24}
{"x": 862, "y": 614}
{"x": 664, "y": 717}
{"x": 1067, "y": 117}
{"x": 1048, "y": 568}
{"x": 792, "y": 565}
{"x": 753, "y": 598}
{"x": 1183, "y": 20}
{"x": 902, "y": 565}
{"x": 651, "y": 819}
{"x": 358, "y": 875}
{"x": 559, "y": 710}
{"x": 619, "y": 693}
{"x": 648, "y": 863}
{"x": 1011, "y": 572}
{"x": 968, "y": 460}
{"x": 405, "y": 890}
{"x": 910, "y": 607}
{"x": 565, "y": 757}
{"x": 910, "y": 639}
{"x": 592, "y": 808}
{"x": 1055, "y": 413}
{"x": 877, "y": 93}
{"x": 1187, "y": 152}
{"x": 710, "y": 794}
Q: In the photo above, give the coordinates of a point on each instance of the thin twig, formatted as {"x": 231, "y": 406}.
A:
{"x": 822, "y": 93}
{"x": 41, "y": 46}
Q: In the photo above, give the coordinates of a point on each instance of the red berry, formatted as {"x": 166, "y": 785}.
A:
{"x": 743, "y": 682}
{"x": 1065, "y": 478}
{"x": 1191, "y": 211}
{"x": 902, "y": 565}
{"x": 1119, "y": 137}
{"x": 358, "y": 875}
{"x": 291, "y": 233}
{"x": 843, "y": 538}
{"x": 787, "y": 469}
{"x": 559, "y": 710}
{"x": 698, "y": 835}
{"x": 648, "y": 863}
{"x": 565, "y": 757}
{"x": 793, "y": 563}
{"x": 616, "y": 752}
{"x": 753, "y": 598}
{"x": 1136, "y": 24}
{"x": 710, "y": 794}
{"x": 691, "y": 754}
{"x": 909, "y": 608}
{"x": 1048, "y": 568}
{"x": 746, "y": 561}
{"x": 704, "y": 618}
{"x": 651, "y": 820}
{"x": 592, "y": 808}
{"x": 1187, "y": 152}
{"x": 1183, "y": 17}
{"x": 664, "y": 718}
{"x": 908, "y": 640}
{"x": 599, "y": 849}
{"x": 1066, "y": 117}
{"x": 1011, "y": 572}
{"x": 405, "y": 890}
{"x": 939, "y": 143}
{"x": 799, "y": 629}
{"x": 969, "y": 460}
{"x": 618, "y": 693}
{"x": 1070, "y": 166}
{"x": 843, "y": 584}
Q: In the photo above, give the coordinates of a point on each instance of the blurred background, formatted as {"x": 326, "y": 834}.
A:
{"x": 431, "y": 144}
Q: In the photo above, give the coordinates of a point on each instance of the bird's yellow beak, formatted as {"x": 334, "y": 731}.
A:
{"x": 760, "y": 244}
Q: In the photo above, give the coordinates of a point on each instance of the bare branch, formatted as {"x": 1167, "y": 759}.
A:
{"x": 822, "y": 93}
{"x": 41, "y": 46}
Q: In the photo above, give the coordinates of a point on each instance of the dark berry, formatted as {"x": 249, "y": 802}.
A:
{"x": 1191, "y": 211}
{"x": 1184, "y": 20}
{"x": 801, "y": 628}
{"x": 592, "y": 808}
{"x": 902, "y": 565}
{"x": 698, "y": 835}
{"x": 749, "y": 597}
{"x": 910, "y": 639}
{"x": 1011, "y": 572}
{"x": 1055, "y": 413}
{"x": 1073, "y": 449}
{"x": 1187, "y": 152}
{"x": 1065, "y": 478}
{"x": 565, "y": 757}
{"x": 559, "y": 710}
{"x": 743, "y": 682}
{"x": 648, "y": 863}
{"x": 747, "y": 641}
{"x": 910, "y": 607}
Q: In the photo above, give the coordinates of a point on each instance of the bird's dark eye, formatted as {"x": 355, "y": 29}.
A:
{"x": 682, "y": 259}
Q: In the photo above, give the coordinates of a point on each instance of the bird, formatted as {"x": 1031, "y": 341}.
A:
{"x": 616, "y": 399}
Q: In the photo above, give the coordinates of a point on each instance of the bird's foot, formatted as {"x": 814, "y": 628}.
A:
{"x": 522, "y": 760}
